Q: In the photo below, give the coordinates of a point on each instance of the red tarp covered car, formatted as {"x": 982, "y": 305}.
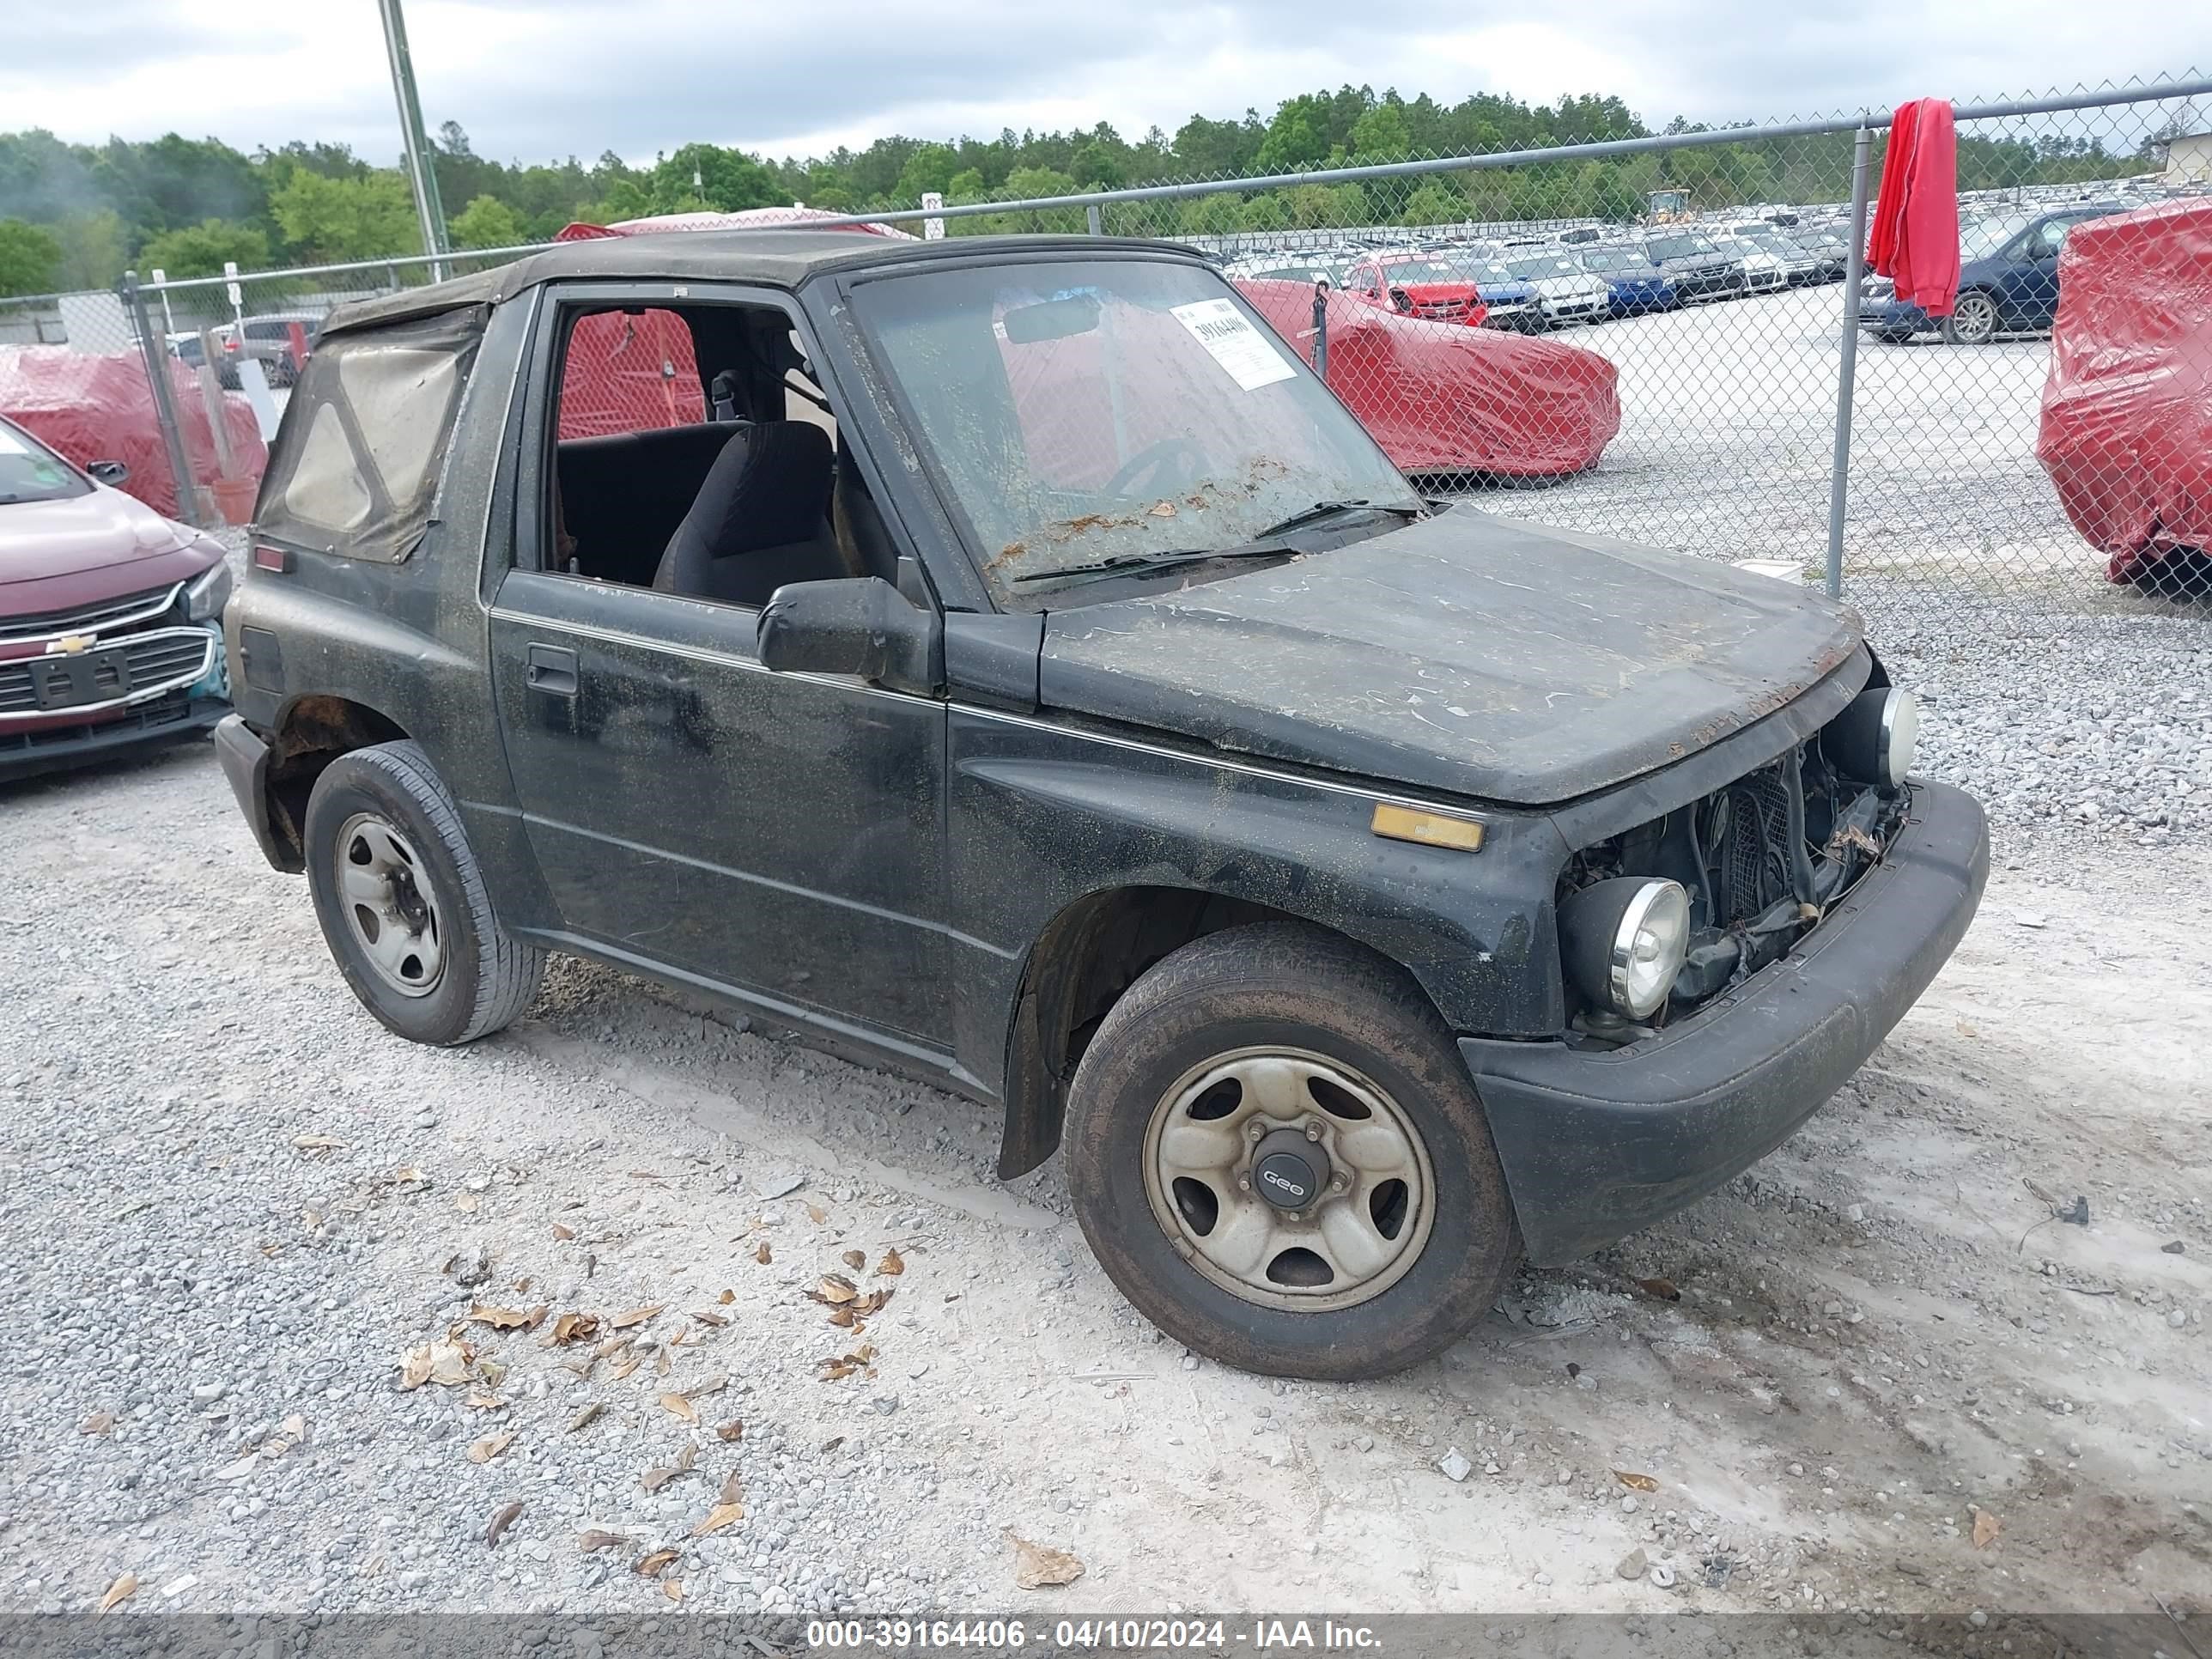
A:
{"x": 98, "y": 407}
{"x": 2127, "y": 409}
{"x": 635, "y": 371}
{"x": 1441, "y": 397}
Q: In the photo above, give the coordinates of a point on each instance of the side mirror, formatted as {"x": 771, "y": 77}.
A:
{"x": 107, "y": 472}
{"x": 858, "y": 625}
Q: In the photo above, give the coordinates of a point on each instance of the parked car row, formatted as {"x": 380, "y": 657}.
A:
{"x": 2008, "y": 279}
{"x": 280, "y": 344}
{"x": 1532, "y": 284}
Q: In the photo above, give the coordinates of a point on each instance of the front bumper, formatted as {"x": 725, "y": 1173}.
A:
{"x": 55, "y": 747}
{"x": 1597, "y": 1144}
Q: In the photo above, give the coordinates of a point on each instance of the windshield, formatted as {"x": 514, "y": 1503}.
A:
{"x": 1679, "y": 247}
{"x": 1538, "y": 266}
{"x": 1081, "y": 410}
{"x": 1985, "y": 236}
{"x": 1420, "y": 270}
{"x": 29, "y": 471}
{"x": 1615, "y": 259}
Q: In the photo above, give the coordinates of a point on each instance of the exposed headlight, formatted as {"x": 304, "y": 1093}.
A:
{"x": 210, "y": 591}
{"x": 1622, "y": 942}
{"x": 1873, "y": 739}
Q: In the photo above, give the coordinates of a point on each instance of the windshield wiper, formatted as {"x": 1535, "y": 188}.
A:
{"x": 1122, "y": 564}
{"x": 1321, "y": 511}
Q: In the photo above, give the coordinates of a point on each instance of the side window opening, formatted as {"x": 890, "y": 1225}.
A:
{"x": 695, "y": 454}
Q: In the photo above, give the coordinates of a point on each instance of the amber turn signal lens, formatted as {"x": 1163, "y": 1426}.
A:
{"x": 1429, "y": 829}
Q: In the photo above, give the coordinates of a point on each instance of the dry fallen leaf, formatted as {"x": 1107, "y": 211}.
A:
{"x": 672, "y": 1588}
{"x": 686, "y": 1461}
{"x": 662, "y": 1364}
{"x": 121, "y": 1590}
{"x": 650, "y": 1566}
{"x": 465, "y": 1203}
{"x": 493, "y": 1371}
{"x": 816, "y": 1214}
{"x": 1663, "y": 1288}
{"x": 733, "y": 1488}
{"x": 856, "y": 1260}
{"x": 844, "y": 1366}
{"x": 1636, "y": 1482}
{"x": 483, "y": 1450}
{"x": 1036, "y": 1566}
{"x": 677, "y": 1406}
{"x": 501, "y": 1521}
{"x": 480, "y": 1399}
{"x": 575, "y": 1328}
{"x": 442, "y": 1360}
{"x": 834, "y": 1290}
{"x": 727, "y": 1297}
{"x": 623, "y": 1322}
{"x": 596, "y": 1539}
{"x": 706, "y": 1318}
{"x": 714, "y": 1384}
{"x": 585, "y": 1415}
{"x": 763, "y": 1255}
{"x": 563, "y": 1231}
{"x": 1986, "y": 1528}
{"x": 98, "y": 1422}
{"x": 732, "y": 1430}
{"x": 722, "y": 1515}
{"x": 892, "y": 1265}
{"x": 501, "y": 1319}
{"x": 316, "y": 1143}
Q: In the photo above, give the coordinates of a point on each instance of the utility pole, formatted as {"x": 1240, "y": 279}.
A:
{"x": 427, "y": 208}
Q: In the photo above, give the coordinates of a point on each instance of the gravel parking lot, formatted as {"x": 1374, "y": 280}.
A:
{"x": 235, "y": 1207}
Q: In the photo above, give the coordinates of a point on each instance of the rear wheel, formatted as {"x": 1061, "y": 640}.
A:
{"x": 1972, "y": 321}
{"x": 1276, "y": 1153}
{"x": 402, "y": 903}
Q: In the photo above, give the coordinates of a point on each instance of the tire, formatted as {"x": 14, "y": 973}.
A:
{"x": 388, "y": 796}
{"x": 1972, "y": 321}
{"x": 1892, "y": 336}
{"x": 1281, "y": 994}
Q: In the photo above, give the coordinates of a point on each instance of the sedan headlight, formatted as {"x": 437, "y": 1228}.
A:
{"x": 209, "y": 592}
{"x": 1873, "y": 740}
{"x": 1622, "y": 942}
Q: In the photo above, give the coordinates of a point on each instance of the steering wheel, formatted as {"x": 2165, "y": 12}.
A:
{"x": 1187, "y": 460}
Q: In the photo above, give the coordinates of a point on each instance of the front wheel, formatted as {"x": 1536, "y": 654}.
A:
{"x": 1972, "y": 321}
{"x": 1276, "y": 1153}
{"x": 402, "y": 901}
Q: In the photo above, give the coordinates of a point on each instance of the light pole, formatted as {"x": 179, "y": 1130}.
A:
{"x": 427, "y": 208}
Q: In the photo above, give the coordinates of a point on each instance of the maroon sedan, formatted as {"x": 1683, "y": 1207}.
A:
{"x": 111, "y": 615}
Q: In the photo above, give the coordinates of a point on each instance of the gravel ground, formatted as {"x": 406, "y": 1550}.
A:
{"x": 234, "y": 1207}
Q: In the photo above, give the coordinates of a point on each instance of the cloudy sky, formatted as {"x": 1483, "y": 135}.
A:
{"x": 538, "y": 79}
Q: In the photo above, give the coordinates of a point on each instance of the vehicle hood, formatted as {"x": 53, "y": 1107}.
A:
{"x": 90, "y": 548}
{"x": 1467, "y": 654}
{"x": 1430, "y": 292}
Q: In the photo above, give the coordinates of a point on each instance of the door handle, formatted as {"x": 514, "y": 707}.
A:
{"x": 550, "y": 669}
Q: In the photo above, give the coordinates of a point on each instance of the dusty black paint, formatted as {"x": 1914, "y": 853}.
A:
{"x": 958, "y": 886}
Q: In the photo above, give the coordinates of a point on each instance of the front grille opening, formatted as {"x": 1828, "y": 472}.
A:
{"x": 1763, "y": 860}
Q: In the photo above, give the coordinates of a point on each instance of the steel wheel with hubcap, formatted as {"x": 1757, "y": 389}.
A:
{"x": 1973, "y": 321}
{"x": 1289, "y": 1180}
{"x": 388, "y": 906}
{"x": 1277, "y": 1154}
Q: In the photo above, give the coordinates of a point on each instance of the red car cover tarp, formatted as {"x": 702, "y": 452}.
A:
{"x": 98, "y": 407}
{"x": 2127, "y": 407}
{"x": 639, "y": 372}
{"x": 1445, "y": 398}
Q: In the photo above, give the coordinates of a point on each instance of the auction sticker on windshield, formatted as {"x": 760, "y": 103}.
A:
{"x": 1251, "y": 360}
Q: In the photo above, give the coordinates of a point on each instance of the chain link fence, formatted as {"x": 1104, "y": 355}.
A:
{"x": 1664, "y": 339}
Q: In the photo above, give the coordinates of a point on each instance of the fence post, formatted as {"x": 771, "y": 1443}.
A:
{"x": 1097, "y": 223}
{"x": 155, "y": 351}
{"x": 1839, "y": 479}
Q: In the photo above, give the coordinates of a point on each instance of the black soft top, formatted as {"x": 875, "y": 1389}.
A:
{"x": 774, "y": 258}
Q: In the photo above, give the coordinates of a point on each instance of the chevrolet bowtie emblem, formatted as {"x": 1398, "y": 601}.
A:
{"x": 71, "y": 645}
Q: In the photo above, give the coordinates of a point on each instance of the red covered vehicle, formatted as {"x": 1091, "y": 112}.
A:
{"x": 2127, "y": 407}
{"x": 1454, "y": 401}
{"x": 1415, "y": 285}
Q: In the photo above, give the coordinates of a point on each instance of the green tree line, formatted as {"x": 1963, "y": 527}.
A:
{"x": 75, "y": 215}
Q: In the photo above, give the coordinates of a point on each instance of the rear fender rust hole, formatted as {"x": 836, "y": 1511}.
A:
{"x": 1337, "y": 1100}
{"x": 1199, "y": 1206}
{"x": 1387, "y": 1206}
{"x": 1300, "y": 1268}
{"x": 1216, "y": 1103}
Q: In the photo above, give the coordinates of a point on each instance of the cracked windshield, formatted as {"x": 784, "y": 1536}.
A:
{"x": 1090, "y": 419}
